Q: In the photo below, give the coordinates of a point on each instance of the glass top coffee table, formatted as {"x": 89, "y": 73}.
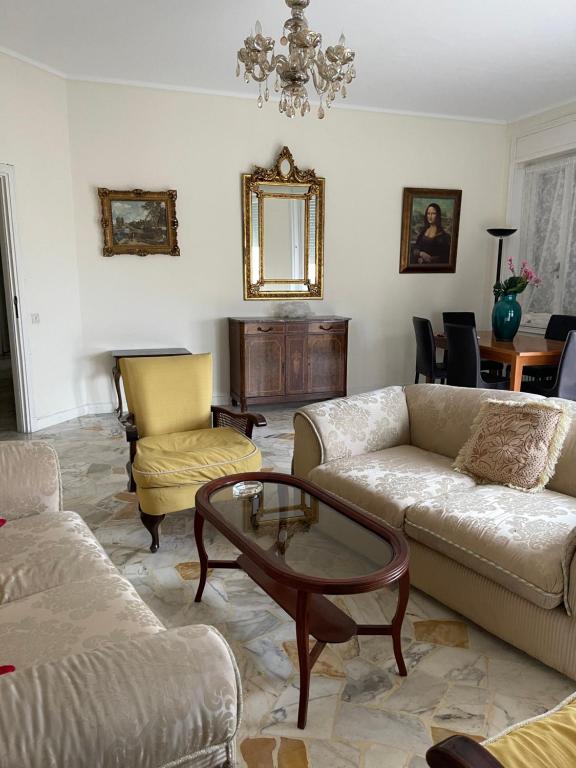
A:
{"x": 300, "y": 543}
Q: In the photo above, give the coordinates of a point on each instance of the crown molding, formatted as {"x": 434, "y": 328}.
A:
{"x": 78, "y": 78}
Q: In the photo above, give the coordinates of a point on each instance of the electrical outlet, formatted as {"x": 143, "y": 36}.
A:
{"x": 35, "y": 317}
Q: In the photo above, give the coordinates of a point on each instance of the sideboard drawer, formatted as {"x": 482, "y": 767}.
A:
{"x": 327, "y": 326}
{"x": 262, "y": 328}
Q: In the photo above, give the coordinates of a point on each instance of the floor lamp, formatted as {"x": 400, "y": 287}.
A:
{"x": 500, "y": 233}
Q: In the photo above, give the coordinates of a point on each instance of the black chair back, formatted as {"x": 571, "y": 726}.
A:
{"x": 463, "y": 356}
{"x": 566, "y": 380}
{"x": 559, "y": 326}
{"x": 459, "y": 318}
{"x": 425, "y": 347}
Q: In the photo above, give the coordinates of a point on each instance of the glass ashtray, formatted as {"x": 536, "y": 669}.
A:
{"x": 247, "y": 489}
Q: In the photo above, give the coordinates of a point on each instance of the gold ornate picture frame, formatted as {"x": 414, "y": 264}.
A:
{"x": 138, "y": 222}
{"x": 302, "y": 194}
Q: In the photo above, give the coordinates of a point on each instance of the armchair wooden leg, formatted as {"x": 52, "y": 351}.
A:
{"x": 131, "y": 482}
{"x": 152, "y": 525}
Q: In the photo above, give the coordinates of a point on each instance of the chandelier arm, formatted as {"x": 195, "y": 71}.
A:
{"x": 264, "y": 74}
{"x": 321, "y": 87}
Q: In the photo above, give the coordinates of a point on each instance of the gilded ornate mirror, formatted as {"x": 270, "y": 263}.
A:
{"x": 283, "y": 231}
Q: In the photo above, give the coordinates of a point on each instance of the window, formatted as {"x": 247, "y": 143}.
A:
{"x": 548, "y": 238}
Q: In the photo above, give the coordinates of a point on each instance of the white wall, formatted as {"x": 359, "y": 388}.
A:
{"x": 125, "y": 137}
{"x": 34, "y": 139}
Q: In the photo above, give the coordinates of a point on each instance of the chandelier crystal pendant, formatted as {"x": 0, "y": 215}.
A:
{"x": 330, "y": 72}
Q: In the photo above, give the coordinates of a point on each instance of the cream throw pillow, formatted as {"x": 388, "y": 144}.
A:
{"x": 514, "y": 443}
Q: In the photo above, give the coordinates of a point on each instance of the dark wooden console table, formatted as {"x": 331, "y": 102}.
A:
{"x": 118, "y": 354}
{"x": 282, "y": 360}
{"x": 300, "y": 543}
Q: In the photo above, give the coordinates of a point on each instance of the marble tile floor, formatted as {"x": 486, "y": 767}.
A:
{"x": 361, "y": 713}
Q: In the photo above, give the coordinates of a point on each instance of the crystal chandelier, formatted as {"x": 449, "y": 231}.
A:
{"x": 305, "y": 60}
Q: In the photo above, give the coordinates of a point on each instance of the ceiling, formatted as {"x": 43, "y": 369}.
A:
{"x": 482, "y": 59}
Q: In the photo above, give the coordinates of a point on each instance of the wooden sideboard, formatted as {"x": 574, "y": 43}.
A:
{"x": 276, "y": 360}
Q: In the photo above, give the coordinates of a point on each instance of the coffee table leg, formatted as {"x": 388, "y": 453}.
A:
{"x": 202, "y": 554}
{"x": 403, "y": 594}
{"x": 303, "y": 656}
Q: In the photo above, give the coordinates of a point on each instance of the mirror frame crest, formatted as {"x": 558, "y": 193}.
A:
{"x": 252, "y": 184}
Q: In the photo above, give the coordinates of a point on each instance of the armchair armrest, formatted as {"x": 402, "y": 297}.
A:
{"x": 349, "y": 426}
{"x": 171, "y": 698}
{"x": 128, "y": 424}
{"x": 460, "y": 752}
{"x": 30, "y": 481}
{"x": 243, "y": 422}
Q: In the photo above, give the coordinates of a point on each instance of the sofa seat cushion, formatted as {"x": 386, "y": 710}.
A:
{"x": 386, "y": 482}
{"x": 525, "y": 542}
{"x": 44, "y": 551}
{"x": 72, "y": 618}
{"x": 171, "y": 699}
{"x": 188, "y": 458}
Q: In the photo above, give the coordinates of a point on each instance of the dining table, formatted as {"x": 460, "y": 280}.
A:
{"x": 524, "y": 349}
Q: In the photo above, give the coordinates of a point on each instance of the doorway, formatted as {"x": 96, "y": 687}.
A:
{"x": 15, "y": 411}
{"x": 7, "y": 398}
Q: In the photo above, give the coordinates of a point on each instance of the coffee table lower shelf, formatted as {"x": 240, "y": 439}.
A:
{"x": 327, "y": 623}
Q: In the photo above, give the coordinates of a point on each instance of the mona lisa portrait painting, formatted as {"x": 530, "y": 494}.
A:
{"x": 430, "y": 219}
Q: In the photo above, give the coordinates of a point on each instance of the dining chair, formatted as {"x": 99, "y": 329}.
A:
{"x": 426, "y": 364}
{"x": 178, "y": 441}
{"x": 558, "y": 328}
{"x": 565, "y": 382}
{"x": 464, "y": 360}
{"x": 469, "y": 318}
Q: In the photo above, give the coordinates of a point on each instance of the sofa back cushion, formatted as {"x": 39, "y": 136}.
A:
{"x": 441, "y": 416}
{"x": 564, "y": 478}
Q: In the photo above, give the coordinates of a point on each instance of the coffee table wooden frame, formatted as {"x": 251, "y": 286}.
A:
{"x": 302, "y": 597}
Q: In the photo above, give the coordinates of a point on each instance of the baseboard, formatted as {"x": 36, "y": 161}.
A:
{"x": 93, "y": 409}
{"x": 89, "y": 409}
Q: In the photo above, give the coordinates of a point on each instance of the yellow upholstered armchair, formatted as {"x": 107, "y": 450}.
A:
{"x": 178, "y": 440}
{"x": 545, "y": 741}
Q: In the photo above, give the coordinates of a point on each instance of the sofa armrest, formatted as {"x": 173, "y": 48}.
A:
{"x": 172, "y": 698}
{"x": 349, "y": 426}
{"x": 30, "y": 480}
{"x": 460, "y": 752}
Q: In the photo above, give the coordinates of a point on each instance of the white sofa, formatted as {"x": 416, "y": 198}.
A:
{"x": 499, "y": 556}
{"x": 98, "y": 682}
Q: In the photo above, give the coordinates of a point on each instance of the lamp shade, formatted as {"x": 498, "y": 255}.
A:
{"x": 501, "y": 231}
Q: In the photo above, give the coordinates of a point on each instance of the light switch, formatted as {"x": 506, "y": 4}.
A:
{"x": 35, "y": 318}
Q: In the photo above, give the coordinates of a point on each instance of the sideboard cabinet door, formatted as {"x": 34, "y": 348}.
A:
{"x": 264, "y": 360}
{"x": 327, "y": 362}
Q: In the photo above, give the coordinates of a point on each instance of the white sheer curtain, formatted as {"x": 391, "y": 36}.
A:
{"x": 548, "y": 237}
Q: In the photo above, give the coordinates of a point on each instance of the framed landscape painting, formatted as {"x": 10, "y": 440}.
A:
{"x": 430, "y": 221}
{"x": 139, "y": 222}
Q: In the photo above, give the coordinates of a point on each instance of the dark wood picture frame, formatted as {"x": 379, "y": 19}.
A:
{"x": 416, "y": 219}
{"x": 154, "y": 233}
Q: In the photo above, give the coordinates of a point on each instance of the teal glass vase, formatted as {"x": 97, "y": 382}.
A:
{"x": 506, "y": 317}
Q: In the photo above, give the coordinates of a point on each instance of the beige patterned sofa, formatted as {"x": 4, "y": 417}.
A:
{"x": 501, "y": 557}
{"x": 90, "y": 677}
